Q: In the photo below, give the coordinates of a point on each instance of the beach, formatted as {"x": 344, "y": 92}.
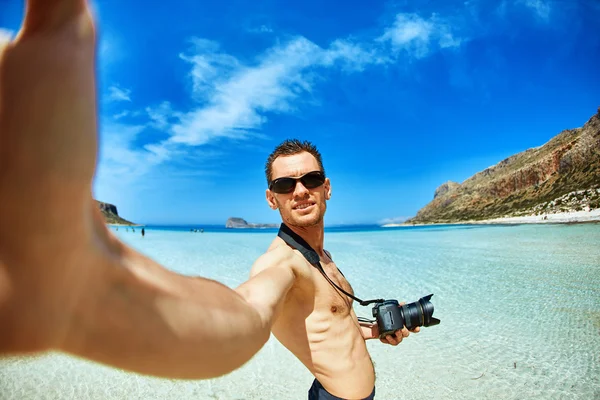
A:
{"x": 519, "y": 307}
{"x": 571, "y": 217}
{"x": 557, "y": 218}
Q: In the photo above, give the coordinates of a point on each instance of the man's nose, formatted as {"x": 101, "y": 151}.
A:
{"x": 300, "y": 189}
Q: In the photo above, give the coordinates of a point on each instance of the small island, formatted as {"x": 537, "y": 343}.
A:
{"x": 236, "y": 223}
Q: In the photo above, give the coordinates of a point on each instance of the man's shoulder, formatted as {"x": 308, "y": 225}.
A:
{"x": 278, "y": 254}
{"x": 281, "y": 255}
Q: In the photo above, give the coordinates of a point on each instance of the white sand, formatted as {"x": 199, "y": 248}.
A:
{"x": 558, "y": 218}
{"x": 561, "y": 218}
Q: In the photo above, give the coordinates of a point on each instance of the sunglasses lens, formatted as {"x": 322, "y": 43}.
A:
{"x": 313, "y": 180}
{"x": 286, "y": 185}
{"x": 283, "y": 185}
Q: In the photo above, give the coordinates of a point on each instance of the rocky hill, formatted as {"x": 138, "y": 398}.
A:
{"x": 235, "y": 222}
{"x": 561, "y": 175}
{"x": 109, "y": 211}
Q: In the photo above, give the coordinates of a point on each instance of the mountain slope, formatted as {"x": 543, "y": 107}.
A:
{"x": 111, "y": 216}
{"x": 530, "y": 182}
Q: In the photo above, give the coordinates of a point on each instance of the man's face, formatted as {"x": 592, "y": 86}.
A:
{"x": 303, "y": 206}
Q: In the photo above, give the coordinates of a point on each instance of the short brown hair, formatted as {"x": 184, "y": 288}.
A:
{"x": 289, "y": 147}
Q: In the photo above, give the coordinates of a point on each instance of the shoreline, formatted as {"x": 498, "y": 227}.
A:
{"x": 126, "y": 225}
{"x": 573, "y": 217}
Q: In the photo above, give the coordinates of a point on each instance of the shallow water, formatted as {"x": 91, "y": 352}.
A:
{"x": 519, "y": 305}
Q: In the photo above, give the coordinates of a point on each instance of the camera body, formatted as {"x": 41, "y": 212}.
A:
{"x": 391, "y": 316}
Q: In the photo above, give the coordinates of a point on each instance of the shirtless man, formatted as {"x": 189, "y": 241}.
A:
{"x": 316, "y": 322}
{"x": 66, "y": 283}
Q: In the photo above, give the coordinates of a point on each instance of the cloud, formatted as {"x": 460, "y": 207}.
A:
{"x": 394, "y": 220}
{"x": 236, "y": 98}
{"x": 233, "y": 99}
{"x": 6, "y": 35}
{"x": 122, "y": 114}
{"x": 540, "y": 7}
{"x": 261, "y": 29}
{"x": 118, "y": 155}
{"x": 117, "y": 94}
{"x": 353, "y": 56}
{"x": 418, "y": 36}
{"x": 160, "y": 115}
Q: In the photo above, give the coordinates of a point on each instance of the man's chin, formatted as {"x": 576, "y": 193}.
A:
{"x": 305, "y": 221}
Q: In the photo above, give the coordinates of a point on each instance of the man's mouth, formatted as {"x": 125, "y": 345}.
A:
{"x": 303, "y": 206}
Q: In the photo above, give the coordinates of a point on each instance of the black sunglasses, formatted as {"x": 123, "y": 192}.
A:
{"x": 310, "y": 180}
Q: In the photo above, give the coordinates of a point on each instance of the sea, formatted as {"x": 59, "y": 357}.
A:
{"x": 519, "y": 307}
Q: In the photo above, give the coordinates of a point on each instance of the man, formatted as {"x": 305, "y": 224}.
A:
{"x": 66, "y": 283}
{"x": 316, "y": 321}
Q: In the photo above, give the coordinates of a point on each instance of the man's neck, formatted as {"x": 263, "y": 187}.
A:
{"x": 313, "y": 235}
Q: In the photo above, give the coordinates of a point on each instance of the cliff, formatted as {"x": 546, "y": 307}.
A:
{"x": 109, "y": 211}
{"x": 234, "y": 222}
{"x": 561, "y": 175}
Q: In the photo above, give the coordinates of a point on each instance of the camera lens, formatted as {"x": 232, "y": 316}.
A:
{"x": 419, "y": 313}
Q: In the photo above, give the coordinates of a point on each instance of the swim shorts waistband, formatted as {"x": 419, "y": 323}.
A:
{"x": 318, "y": 392}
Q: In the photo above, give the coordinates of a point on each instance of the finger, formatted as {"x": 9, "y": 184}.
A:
{"x": 48, "y": 14}
{"x": 402, "y": 333}
{"x": 393, "y": 340}
{"x": 416, "y": 330}
{"x": 390, "y": 340}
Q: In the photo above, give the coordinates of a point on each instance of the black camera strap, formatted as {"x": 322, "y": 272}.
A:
{"x": 297, "y": 242}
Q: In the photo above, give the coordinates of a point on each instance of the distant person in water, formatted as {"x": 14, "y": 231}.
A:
{"x": 66, "y": 283}
{"x": 143, "y": 232}
{"x": 316, "y": 322}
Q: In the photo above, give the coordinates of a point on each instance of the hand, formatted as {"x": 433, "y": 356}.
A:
{"x": 48, "y": 231}
{"x": 397, "y": 337}
{"x": 66, "y": 283}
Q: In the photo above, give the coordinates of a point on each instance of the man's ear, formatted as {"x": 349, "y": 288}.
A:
{"x": 327, "y": 189}
{"x": 271, "y": 199}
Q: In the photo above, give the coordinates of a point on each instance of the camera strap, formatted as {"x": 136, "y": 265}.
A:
{"x": 297, "y": 242}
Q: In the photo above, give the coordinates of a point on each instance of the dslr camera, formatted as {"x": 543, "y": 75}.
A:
{"x": 391, "y": 316}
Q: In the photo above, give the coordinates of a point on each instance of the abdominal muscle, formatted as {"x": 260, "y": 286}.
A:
{"x": 329, "y": 344}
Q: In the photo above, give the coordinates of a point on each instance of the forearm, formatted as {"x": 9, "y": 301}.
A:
{"x": 149, "y": 320}
{"x": 369, "y": 330}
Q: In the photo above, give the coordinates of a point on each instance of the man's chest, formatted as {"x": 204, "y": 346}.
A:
{"x": 327, "y": 297}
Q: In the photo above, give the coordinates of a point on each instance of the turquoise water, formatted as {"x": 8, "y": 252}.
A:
{"x": 519, "y": 305}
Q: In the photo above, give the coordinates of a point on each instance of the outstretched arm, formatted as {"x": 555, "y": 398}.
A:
{"x": 144, "y": 318}
{"x": 65, "y": 282}
{"x": 271, "y": 277}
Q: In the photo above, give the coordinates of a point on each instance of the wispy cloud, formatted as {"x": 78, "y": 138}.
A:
{"x": 234, "y": 98}
{"x": 418, "y": 36}
{"x": 122, "y": 114}
{"x": 115, "y": 93}
{"x": 261, "y": 29}
{"x": 394, "y": 220}
{"x": 237, "y": 98}
{"x": 160, "y": 116}
{"x": 5, "y": 36}
{"x": 540, "y": 7}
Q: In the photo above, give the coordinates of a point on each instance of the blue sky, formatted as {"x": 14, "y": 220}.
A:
{"x": 398, "y": 96}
